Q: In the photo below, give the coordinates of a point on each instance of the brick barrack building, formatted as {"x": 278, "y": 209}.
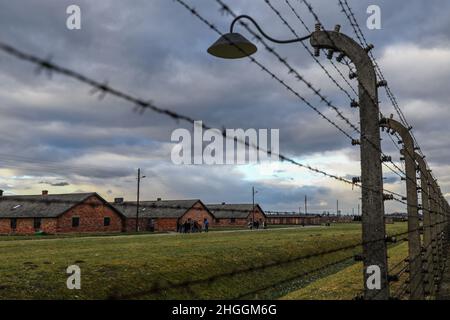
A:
{"x": 162, "y": 215}
{"x": 90, "y": 213}
{"x": 294, "y": 219}
{"x": 228, "y": 214}
{"x": 58, "y": 213}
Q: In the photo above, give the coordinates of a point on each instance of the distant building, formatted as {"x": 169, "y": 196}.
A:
{"x": 397, "y": 216}
{"x": 162, "y": 215}
{"x": 58, "y": 213}
{"x": 228, "y": 214}
{"x": 327, "y": 219}
{"x": 293, "y": 219}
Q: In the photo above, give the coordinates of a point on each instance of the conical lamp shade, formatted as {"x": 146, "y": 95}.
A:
{"x": 232, "y": 46}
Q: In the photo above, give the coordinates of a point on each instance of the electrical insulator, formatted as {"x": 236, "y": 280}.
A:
{"x": 340, "y": 57}
{"x": 388, "y": 197}
{"x": 369, "y": 47}
{"x": 382, "y": 83}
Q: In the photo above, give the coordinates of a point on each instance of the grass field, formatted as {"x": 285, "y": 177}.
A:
{"x": 240, "y": 265}
{"x": 347, "y": 281}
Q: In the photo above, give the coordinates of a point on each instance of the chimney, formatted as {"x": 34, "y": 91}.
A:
{"x": 1, "y": 193}
{"x": 159, "y": 199}
{"x": 44, "y": 192}
{"x": 118, "y": 200}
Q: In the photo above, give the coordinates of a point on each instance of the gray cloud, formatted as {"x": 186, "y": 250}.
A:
{"x": 56, "y": 184}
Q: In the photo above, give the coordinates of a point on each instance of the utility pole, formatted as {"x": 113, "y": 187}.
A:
{"x": 306, "y": 204}
{"x": 253, "y": 205}
{"x": 373, "y": 227}
{"x": 139, "y": 177}
{"x": 337, "y": 207}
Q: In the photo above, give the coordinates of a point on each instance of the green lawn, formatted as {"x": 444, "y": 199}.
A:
{"x": 346, "y": 284}
{"x": 257, "y": 264}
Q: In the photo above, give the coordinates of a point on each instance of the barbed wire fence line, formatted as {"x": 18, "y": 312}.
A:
{"x": 346, "y": 9}
{"x": 363, "y": 42}
{"x": 400, "y": 171}
{"x": 144, "y": 105}
{"x": 227, "y": 9}
{"x": 440, "y": 210}
{"x": 348, "y": 12}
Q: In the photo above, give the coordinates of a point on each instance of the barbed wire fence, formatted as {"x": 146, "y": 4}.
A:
{"x": 397, "y": 272}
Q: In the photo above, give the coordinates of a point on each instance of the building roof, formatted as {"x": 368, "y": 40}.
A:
{"x": 229, "y": 210}
{"x": 40, "y": 206}
{"x": 156, "y": 209}
{"x": 287, "y": 215}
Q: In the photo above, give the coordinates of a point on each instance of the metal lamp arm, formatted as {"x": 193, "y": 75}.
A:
{"x": 263, "y": 33}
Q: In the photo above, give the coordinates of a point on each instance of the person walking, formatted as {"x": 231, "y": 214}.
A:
{"x": 206, "y": 224}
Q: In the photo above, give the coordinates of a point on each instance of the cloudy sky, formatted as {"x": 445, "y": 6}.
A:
{"x": 55, "y": 135}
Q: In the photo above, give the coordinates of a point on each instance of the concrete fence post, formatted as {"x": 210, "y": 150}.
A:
{"x": 434, "y": 230}
{"x": 439, "y": 230}
{"x": 427, "y": 225}
{"x": 373, "y": 226}
{"x": 414, "y": 245}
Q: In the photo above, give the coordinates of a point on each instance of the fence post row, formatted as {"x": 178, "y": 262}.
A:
{"x": 373, "y": 226}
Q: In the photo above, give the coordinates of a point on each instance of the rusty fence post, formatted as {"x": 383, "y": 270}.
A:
{"x": 414, "y": 244}
{"x": 373, "y": 226}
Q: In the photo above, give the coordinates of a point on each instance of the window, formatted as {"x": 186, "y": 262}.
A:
{"x": 232, "y": 220}
{"x": 75, "y": 222}
{"x": 37, "y": 223}
{"x": 106, "y": 221}
{"x": 217, "y": 220}
{"x": 14, "y": 223}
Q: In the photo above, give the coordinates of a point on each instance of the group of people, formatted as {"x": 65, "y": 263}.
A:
{"x": 257, "y": 224}
{"x": 192, "y": 226}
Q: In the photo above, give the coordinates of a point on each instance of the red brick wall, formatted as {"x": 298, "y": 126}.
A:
{"x": 130, "y": 224}
{"x": 91, "y": 214}
{"x": 166, "y": 224}
{"x": 26, "y": 226}
{"x": 198, "y": 213}
{"x": 226, "y": 222}
{"x": 258, "y": 216}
